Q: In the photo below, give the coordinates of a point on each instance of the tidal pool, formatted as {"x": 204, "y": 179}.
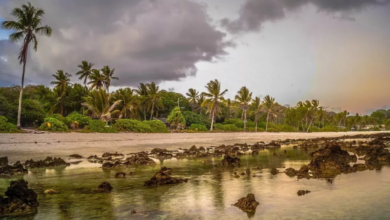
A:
{"x": 209, "y": 192}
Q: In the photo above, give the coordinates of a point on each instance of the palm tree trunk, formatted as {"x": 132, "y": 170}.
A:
{"x": 212, "y": 121}
{"x": 151, "y": 116}
{"x": 62, "y": 110}
{"x": 244, "y": 120}
{"x": 266, "y": 126}
{"x": 256, "y": 122}
{"x": 21, "y": 95}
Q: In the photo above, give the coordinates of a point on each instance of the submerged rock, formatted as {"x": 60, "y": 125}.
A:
{"x": 163, "y": 177}
{"x": 231, "y": 161}
{"x": 302, "y": 192}
{"x": 291, "y": 172}
{"x": 104, "y": 187}
{"x": 10, "y": 170}
{"x": 120, "y": 175}
{"x": 248, "y": 203}
{"x": 20, "y": 199}
{"x": 48, "y": 162}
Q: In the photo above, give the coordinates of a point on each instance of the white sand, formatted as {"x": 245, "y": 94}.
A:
{"x": 23, "y": 146}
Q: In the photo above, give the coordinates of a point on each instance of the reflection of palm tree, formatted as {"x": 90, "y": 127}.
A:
{"x": 243, "y": 98}
{"x": 213, "y": 98}
{"x": 98, "y": 103}
{"x": 192, "y": 96}
{"x": 27, "y": 26}
{"x": 85, "y": 71}
{"x": 268, "y": 104}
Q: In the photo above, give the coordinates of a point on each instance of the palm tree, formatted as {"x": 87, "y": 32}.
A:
{"x": 243, "y": 98}
{"x": 192, "y": 97}
{"x": 313, "y": 112}
{"x": 268, "y": 104}
{"x": 154, "y": 98}
{"x": 129, "y": 105}
{"x": 98, "y": 102}
{"x": 213, "y": 98}
{"x": 142, "y": 91}
{"x": 85, "y": 71}
{"x": 27, "y": 25}
{"x": 97, "y": 80}
{"x": 62, "y": 80}
{"x": 257, "y": 109}
{"x": 108, "y": 74}
{"x": 59, "y": 101}
{"x": 200, "y": 100}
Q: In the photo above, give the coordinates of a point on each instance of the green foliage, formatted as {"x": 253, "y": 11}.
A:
{"x": 237, "y": 122}
{"x": 99, "y": 126}
{"x": 331, "y": 129}
{"x": 169, "y": 100}
{"x": 81, "y": 119}
{"x": 226, "y": 127}
{"x": 33, "y": 113}
{"x": 157, "y": 126}
{"x": 7, "y": 127}
{"x": 132, "y": 125}
{"x": 176, "y": 117}
{"x": 53, "y": 124}
{"x": 198, "y": 127}
{"x": 194, "y": 118}
{"x": 280, "y": 128}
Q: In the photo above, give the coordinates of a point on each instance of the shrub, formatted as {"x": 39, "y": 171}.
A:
{"x": 194, "y": 118}
{"x": 81, "y": 119}
{"x": 132, "y": 125}
{"x": 198, "y": 127}
{"x": 157, "y": 126}
{"x": 227, "y": 127}
{"x": 59, "y": 117}
{"x": 53, "y": 124}
{"x": 99, "y": 126}
{"x": 237, "y": 122}
{"x": 176, "y": 118}
{"x": 272, "y": 130}
{"x": 6, "y": 127}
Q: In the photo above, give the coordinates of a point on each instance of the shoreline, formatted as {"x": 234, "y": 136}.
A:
{"x": 22, "y": 146}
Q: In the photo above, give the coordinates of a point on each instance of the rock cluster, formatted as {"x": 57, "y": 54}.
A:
{"x": 10, "y": 170}
{"x": 48, "y": 162}
{"x": 20, "y": 199}
{"x": 104, "y": 187}
{"x": 248, "y": 203}
{"x": 163, "y": 177}
{"x": 231, "y": 161}
{"x": 302, "y": 192}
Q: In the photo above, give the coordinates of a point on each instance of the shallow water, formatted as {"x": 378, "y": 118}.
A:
{"x": 209, "y": 192}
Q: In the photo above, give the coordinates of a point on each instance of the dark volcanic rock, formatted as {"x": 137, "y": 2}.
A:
{"x": 20, "y": 199}
{"x": 302, "y": 192}
{"x": 3, "y": 161}
{"x": 77, "y": 156}
{"x": 104, "y": 187}
{"x": 291, "y": 172}
{"x": 112, "y": 156}
{"x": 274, "y": 171}
{"x": 231, "y": 161}
{"x": 139, "y": 159}
{"x": 163, "y": 177}
{"x": 248, "y": 203}
{"x": 120, "y": 175}
{"x": 9, "y": 170}
{"x": 48, "y": 162}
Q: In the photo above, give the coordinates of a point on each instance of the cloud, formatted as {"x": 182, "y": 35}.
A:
{"x": 143, "y": 40}
{"x": 253, "y": 13}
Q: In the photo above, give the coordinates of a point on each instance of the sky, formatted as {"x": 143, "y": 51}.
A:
{"x": 335, "y": 51}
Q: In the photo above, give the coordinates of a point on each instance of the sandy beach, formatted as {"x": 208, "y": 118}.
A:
{"x": 36, "y": 146}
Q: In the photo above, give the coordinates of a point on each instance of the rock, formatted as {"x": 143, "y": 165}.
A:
{"x": 230, "y": 161}
{"x": 104, "y": 187}
{"x": 10, "y": 170}
{"x": 3, "y": 161}
{"x": 360, "y": 167}
{"x": 291, "y": 172}
{"x": 248, "y": 203}
{"x": 77, "y": 156}
{"x": 274, "y": 171}
{"x": 163, "y": 177}
{"x": 248, "y": 171}
{"x": 112, "y": 156}
{"x": 94, "y": 159}
{"x": 120, "y": 175}
{"x": 242, "y": 174}
{"x": 133, "y": 212}
{"x": 20, "y": 199}
{"x": 50, "y": 191}
{"x": 48, "y": 162}
{"x": 139, "y": 159}
{"x": 302, "y": 192}
{"x": 295, "y": 147}
{"x": 132, "y": 173}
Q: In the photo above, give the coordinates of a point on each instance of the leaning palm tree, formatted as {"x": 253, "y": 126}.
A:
{"x": 192, "y": 97}
{"x": 98, "y": 103}
{"x": 97, "y": 79}
{"x": 27, "y": 25}
{"x": 109, "y": 75}
{"x": 268, "y": 104}
{"x": 257, "y": 109}
{"x": 243, "y": 98}
{"x": 130, "y": 102}
{"x": 153, "y": 99}
{"x": 142, "y": 91}
{"x": 85, "y": 70}
{"x": 214, "y": 97}
{"x": 62, "y": 81}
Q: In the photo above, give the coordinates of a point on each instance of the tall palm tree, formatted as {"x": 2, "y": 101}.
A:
{"x": 130, "y": 102}
{"x": 85, "y": 70}
{"x": 313, "y": 112}
{"x": 98, "y": 102}
{"x": 192, "y": 97}
{"x": 59, "y": 101}
{"x": 154, "y": 98}
{"x": 97, "y": 79}
{"x": 142, "y": 91}
{"x": 268, "y": 104}
{"x": 27, "y": 25}
{"x": 62, "y": 81}
{"x": 243, "y": 98}
{"x": 109, "y": 75}
{"x": 200, "y": 100}
{"x": 257, "y": 109}
{"x": 213, "y": 98}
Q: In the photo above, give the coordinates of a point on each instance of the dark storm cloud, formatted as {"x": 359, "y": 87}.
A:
{"x": 254, "y": 13}
{"x": 143, "y": 40}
